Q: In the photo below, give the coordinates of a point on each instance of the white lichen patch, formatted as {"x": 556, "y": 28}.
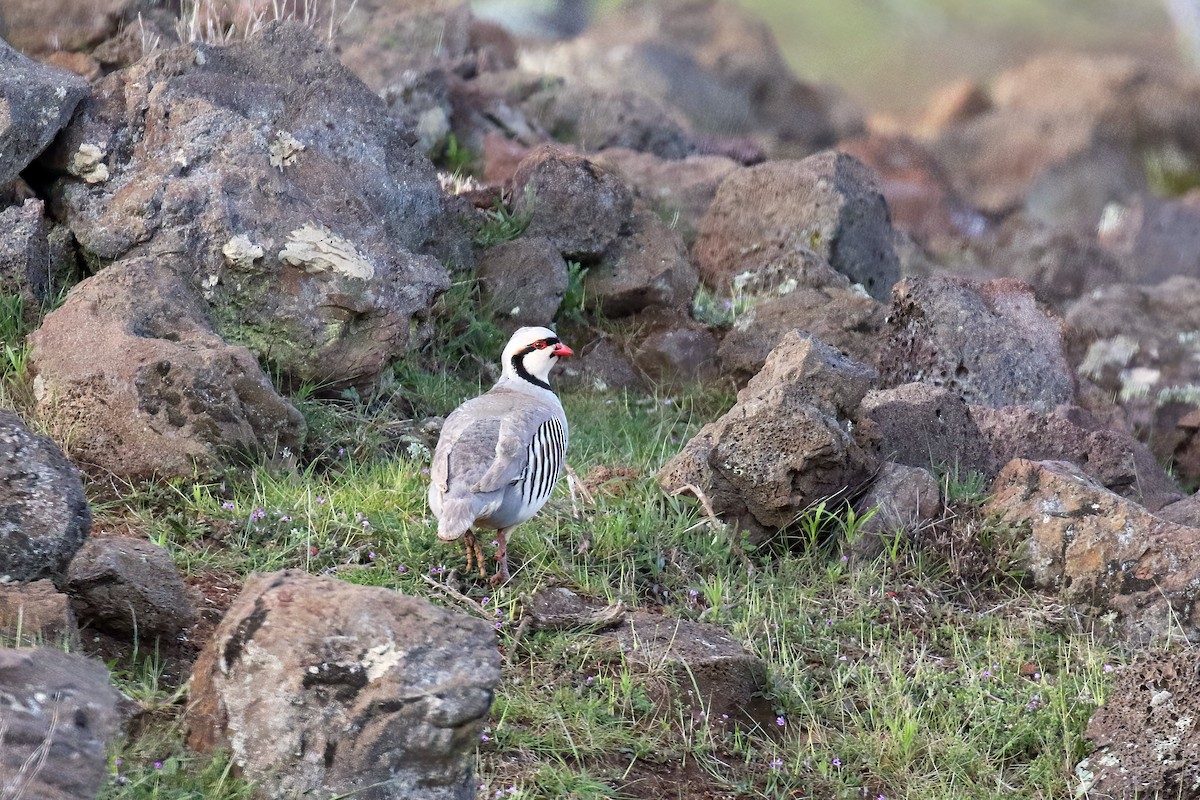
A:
{"x": 240, "y": 252}
{"x": 284, "y": 150}
{"x": 380, "y": 659}
{"x": 1136, "y": 382}
{"x": 88, "y": 164}
{"x": 313, "y": 248}
{"x": 1115, "y": 352}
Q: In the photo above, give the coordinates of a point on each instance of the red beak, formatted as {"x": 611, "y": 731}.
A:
{"x": 561, "y": 350}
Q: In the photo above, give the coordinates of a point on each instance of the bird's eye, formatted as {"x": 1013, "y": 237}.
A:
{"x": 540, "y": 345}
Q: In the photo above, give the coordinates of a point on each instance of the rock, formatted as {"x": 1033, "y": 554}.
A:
{"x": 379, "y": 40}
{"x": 708, "y": 58}
{"x": 919, "y": 196}
{"x": 1145, "y": 734}
{"x": 46, "y": 515}
{"x": 570, "y": 201}
{"x": 36, "y": 613}
{"x": 1158, "y": 239}
{"x": 558, "y": 609}
{"x": 1138, "y": 345}
{"x": 926, "y": 426}
{"x": 785, "y": 444}
{"x": 594, "y": 119}
{"x": 1060, "y": 265}
{"x": 1182, "y": 512}
{"x": 600, "y": 365}
{"x": 36, "y": 102}
{"x": 711, "y": 673}
{"x": 24, "y": 253}
{"x": 842, "y": 317}
{"x": 129, "y": 586}
{"x": 523, "y": 280}
{"x": 231, "y": 155}
{"x": 60, "y": 715}
{"x": 130, "y": 372}
{"x": 679, "y": 191}
{"x": 646, "y": 268}
{"x": 991, "y": 343}
{"x": 1104, "y": 555}
{"x": 956, "y": 102}
{"x": 1112, "y": 458}
{"x": 42, "y": 27}
{"x": 676, "y": 352}
{"x": 904, "y": 500}
{"x": 828, "y": 203}
{"x": 314, "y": 685}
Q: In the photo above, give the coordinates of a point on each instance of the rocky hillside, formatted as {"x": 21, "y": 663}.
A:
{"x": 885, "y": 439}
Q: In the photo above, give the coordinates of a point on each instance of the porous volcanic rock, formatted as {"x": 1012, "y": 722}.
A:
{"x": 920, "y": 425}
{"x": 1113, "y": 458}
{"x": 39, "y": 612}
{"x": 571, "y": 201}
{"x": 46, "y": 515}
{"x": 311, "y": 227}
{"x": 63, "y": 703}
{"x": 828, "y": 203}
{"x": 42, "y": 27}
{"x": 380, "y": 40}
{"x": 711, "y": 673}
{"x": 129, "y": 586}
{"x": 1183, "y": 512}
{"x": 1156, "y": 238}
{"x": 676, "y": 351}
{"x": 36, "y": 102}
{"x": 710, "y": 59}
{"x": 1146, "y": 731}
{"x": 904, "y": 500}
{"x": 679, "y": 190}
{"x": 786, "y": 443}
{"x": 24, "y": 252}
{"x": 1104, "y": 555}
{"x": 132, "y": 375}
{"x": 523, "y": 280}
{"x": 314, "y": 685}
{"x": 647, "y": 268}
{"x": 991, "y": 343}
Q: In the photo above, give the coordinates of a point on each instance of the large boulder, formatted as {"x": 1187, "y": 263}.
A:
{"x": 1146, "y": 732}
{"x": 317, "y": 686}
{"x": 785, "y": 445}
{"x": 708, "y": 58}
{"x": 60, "y": 714}
{"x": 130, "y": 373}
{"x": 129, "y": 586}
{"x": 828, "y": 203}
{"x": 36, "y": 102}
{"x": 991, "y": 343}
{"x": 45, "y": 515}
{"x": 309, "y": 224}
{"x": 1104, "y": 555}
{"x": 647, "y": 268}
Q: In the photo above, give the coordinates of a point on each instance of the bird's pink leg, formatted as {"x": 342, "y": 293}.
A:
{"x": 501, "y": 575}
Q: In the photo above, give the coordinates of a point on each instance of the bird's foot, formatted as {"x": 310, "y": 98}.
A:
{"x": 474, "y": 554}
{"x": 501, "y": 575}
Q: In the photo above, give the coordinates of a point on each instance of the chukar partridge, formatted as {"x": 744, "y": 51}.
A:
{"x": 500, "y": 454}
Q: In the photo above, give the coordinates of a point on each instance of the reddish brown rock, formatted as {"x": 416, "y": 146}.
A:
{"x": 953, "y": 103}
{"x": 39, "y": 613}
{"x": 1104, "y": 555}
{"x": 677, "y": 351}
{"x": 523, "y": 281}
{"x": 41, "y": 27}
{"x": 644, "y": 269}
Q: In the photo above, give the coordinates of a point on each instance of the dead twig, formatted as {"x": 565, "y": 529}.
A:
{"x": 454, "y": 594}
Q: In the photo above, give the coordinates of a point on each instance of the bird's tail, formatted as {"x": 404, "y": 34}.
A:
{"x": 457, "y": 517}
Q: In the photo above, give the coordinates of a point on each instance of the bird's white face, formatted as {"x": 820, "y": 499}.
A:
{"x": 531, "y": 353}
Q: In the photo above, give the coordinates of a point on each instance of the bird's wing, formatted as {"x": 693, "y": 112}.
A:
{"x": 512, "y": 446}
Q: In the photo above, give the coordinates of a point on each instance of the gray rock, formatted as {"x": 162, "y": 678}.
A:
{"x": 1182, "y": 512}
{"x": 711, "y": 673}
{"x": 595, "y": 119}
{"x": 1060, "y": 265}
{"x": 380, "y": 39}
{"x": 676, "y": 352}
{"x": 919, "y": 425}
{"x": 990, "y": 343}
{"x": 39, "y": 613}
{"x": 261, "y": 135}
{"x": 785, "y": 445}
{"x": 600, "y": 365}
{"x": 314, "y": 685}
{"x": 523, "y": 280}
{"x": 571, "y": 201}
{"x": 1158, "y": 239}
{"x": 129, "y": 586}
{"x": 43, "y": 27}
{"x": 36, "y": 102}
{"x": 904, "y": 500}
{"x": 24, "y": 252}
{"x": 828, "y": 203}
{"x": 61, "y": 702}
{"x": 130, "y": 370}
{"x": 45, "y": 515}
{"x": 647, "y": 268}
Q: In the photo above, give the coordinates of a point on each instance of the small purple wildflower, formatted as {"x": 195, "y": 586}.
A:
{"x": 436, "y": 570}
{"x": 425, "y": 471}
{"x": 1034, "y": 703}
{"x": 341, "y": 451}
{"x": 371, "y": 555}
{"x": 228, "y": 504}
{"x": 117, "y": 762}
{"x": 692, "y": 593}
{"x": 483, "y": 737}
{"x": 499, "y": 625}
{"x": 485, "y": 601}
{"x": 987, "y": 673}
{"x": 1108, "y": 668}
{"x": 402, "y": 569}
{"x": 776, "y": 763}
{"x": 724, "y": 716}
{"x": 590, "y": 679}
{"x": 837, "y": 762}
{"x": 285, "y": 518}
{"x": 320, "y": 500}
{"x": 780, "y": 721}
{"x": 158, "y": 765}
